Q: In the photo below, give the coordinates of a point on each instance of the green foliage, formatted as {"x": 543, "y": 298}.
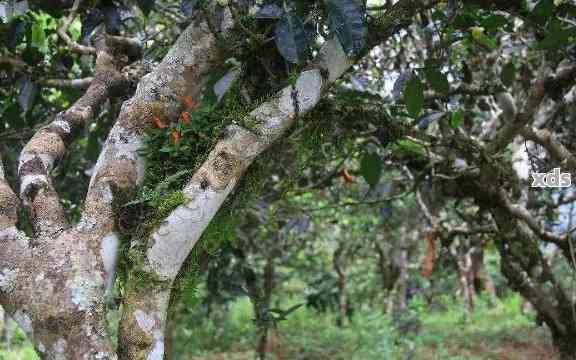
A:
{"x": 346, "y": 19}
{"x": 456, "y": 118}
{"x": 146, "y": 5}
{"x": 371, "y": 335}
{"x": 543, "y": 10}
{"x": 508, "y": 74}
{"x": 291, "y": 38}
{"x": 437, "y": 80}
{"x": 414, "y": 96}
{"x": 371, "y": 168}
{"x": 172, "y": 151}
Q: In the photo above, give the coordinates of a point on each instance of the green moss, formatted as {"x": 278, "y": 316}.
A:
{"x": 169, "y": 165}
{"x": 169, "y": 203}
{"x": 221, "y": 230}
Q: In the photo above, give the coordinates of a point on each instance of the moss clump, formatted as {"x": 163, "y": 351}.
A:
{"x": 172, "y": 151}
{"x": 169, "y": 203}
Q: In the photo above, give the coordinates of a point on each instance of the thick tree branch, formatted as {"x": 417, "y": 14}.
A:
{"x": 555, "y": 148}
{"x": 120, "y": 168}
{"x": 49, "y": 144}
{"x": 564, "y": 77}
{"x": 66, "y": 83}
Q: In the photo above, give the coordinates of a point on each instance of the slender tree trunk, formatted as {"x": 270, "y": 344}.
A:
{"x": 482, "y": 278}
{"x": 399, "y": 302}
{"x": 388, "y": 271}
{"x": 264, "y": 345}
{"x": 170, "y": 334}
{"x": 340, "y": 270}
{"x": 466, "y": 277}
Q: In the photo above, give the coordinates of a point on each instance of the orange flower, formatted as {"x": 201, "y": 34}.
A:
{"x": 189, "y": 102}
{"x": 158, "y": 123}
{"x": 186, "y": 117}
{"x": 176, "y": 136}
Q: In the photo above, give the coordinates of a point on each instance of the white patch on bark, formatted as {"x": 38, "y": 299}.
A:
{"x": 149, "y": 325}
{"x": 308, "y": 89}
{"x": 59, "y": 350}
{"x": 39, "y": 277}
{"x": 85, "y": 291}
{"x": 157, "y": 352}
{"x": 8, "y": 233}
{"x": 101, "y": 356}
{"x": 86, "y": 224}
{"x": 145, "y": 321}
{"x": 29, "y": 180}
{"x": 520, "y": 159}
{"x": 225, "y": 83}
{"x": 46, "y": 159}
{"x": 334, "y": 59}
{"x": 109, "y": 254}
{"x": 178, "y": 234}
{"x": 7, "y": 280}
{"x": 63, "y": 125}
{"x": 12, "y": 233}
{"x": 121, "y": 145}
{"x": 152, "y": 328}
{"x": 507, "y": 104}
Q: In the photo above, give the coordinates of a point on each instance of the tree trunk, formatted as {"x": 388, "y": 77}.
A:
{"x": 264, "y": 344}
{"x": 525, "y": 267}
{"x": 340, "y": 270}
{"x": 462, "y": 253}
{"x": 388, "y": 271}
{"x": 482, "y": 278}
{"x": 399, "y": 299}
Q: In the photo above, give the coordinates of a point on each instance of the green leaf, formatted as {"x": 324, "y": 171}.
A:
{"x": 371, "y": 168}
{"x": 414, "y": 96}
{"x": 38, "y": 36}
{"x": 346, "y": 19}
{"x": 557, "y": 36}
{"x": 146, "y": 5}
{"x": 487, "y": 41}
{"x": 456, "y": 119}
{"x": 291, "y": 38}
{"x": 508, "y": 74}
{"x": 437, "y": 80}
{"x": 543, "y": 10}
{"x": 409, "y": 147}
{"x": 494, "y": 22}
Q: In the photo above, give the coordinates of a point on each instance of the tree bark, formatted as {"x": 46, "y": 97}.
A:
{"x": 398, "y": 302}
{"x": 337, "y": 262}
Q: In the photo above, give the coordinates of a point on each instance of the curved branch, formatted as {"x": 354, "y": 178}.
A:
{"x": 14, "y": 243}
{"x": 182, "y": 73}
{"x": 63, "y": 33}
{"x": 555, "y": 148}
{"x": 49, "y": 144}
{"x": 562, "y": 79}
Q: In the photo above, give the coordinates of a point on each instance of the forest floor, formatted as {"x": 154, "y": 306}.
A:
{"x": 499, "y": 332}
